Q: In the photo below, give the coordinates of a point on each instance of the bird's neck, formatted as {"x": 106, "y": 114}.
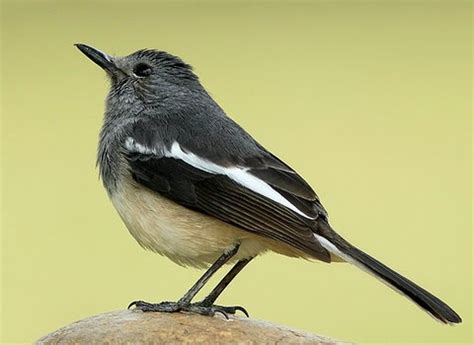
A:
{"x": 110, "y": 157}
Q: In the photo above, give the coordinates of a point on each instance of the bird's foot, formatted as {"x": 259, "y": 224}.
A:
{"x": 196, "y": 308}
{"x": 211, "y": 310}
{"x": 167, "y": 307}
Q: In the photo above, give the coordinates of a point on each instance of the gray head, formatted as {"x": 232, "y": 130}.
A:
{"x": 146, "y": 77}
{"x": 145, "y": 84}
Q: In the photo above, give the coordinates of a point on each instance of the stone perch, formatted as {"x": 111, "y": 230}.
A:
{"x": 136, "y": 327}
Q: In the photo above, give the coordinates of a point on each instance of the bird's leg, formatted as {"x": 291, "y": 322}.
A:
{"x": 215, "y": 293}
{"x": 207, "y": 304}
{"x": 184, "y": 302}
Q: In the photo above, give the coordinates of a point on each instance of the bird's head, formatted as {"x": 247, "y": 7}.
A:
{"x": 145, "y": 76}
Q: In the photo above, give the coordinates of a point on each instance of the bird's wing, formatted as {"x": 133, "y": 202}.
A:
{"x": 260, "y": 194}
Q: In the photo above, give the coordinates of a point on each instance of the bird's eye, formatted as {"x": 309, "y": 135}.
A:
{"x": 142, "y": 70}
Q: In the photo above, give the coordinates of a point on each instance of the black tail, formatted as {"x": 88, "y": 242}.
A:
{"x": 431, "y": 304}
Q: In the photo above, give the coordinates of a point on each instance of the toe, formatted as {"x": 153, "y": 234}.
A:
{"x": 167, "y": 307}
{"x": 220, "y": 311}
{"x": 137, "y": 304}
{"x": 242, "y": 309}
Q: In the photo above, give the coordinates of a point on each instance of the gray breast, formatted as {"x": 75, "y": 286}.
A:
{"x": 110, "y": 160}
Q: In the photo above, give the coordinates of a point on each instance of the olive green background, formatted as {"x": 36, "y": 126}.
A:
{"x": 370, "y": 102}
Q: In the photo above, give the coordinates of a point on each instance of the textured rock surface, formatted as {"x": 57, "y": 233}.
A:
{"x": 132, "y": 326}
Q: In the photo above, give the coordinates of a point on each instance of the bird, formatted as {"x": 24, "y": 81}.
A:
{"x": 191, "y": 184}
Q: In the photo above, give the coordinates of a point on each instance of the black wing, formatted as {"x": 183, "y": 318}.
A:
{"x": 220, "y": 196}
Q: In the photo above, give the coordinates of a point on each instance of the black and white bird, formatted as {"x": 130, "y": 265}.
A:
{"x": 191, "y": 184}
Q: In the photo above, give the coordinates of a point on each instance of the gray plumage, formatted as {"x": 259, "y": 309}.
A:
{"x": 174, "y": 101}
{"x": 190, "y": 183}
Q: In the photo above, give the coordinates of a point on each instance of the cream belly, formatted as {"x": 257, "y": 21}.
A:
{"x": 187, "y": 237}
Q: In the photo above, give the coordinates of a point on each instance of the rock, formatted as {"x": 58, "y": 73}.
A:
{"x": 134, "y": 326}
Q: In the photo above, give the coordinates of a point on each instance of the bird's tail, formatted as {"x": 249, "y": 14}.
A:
{"x": 336, "y": 245}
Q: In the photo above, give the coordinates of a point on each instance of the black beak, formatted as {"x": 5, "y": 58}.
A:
{"x": 100, "y": 58}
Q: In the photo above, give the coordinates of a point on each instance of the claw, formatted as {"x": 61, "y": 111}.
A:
{"x": 198, "y": 308}
{"x": 220, "y": 311}
{"x": 134, "y": 303}
{"x": 242, "y": 309}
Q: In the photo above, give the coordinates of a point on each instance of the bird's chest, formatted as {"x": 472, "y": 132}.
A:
{"x": 163, "y": 226}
